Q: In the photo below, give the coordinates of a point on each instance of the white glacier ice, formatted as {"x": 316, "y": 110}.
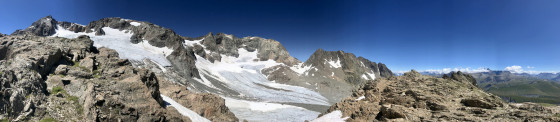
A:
{"x": 269, "y": 112}
{"x": 243, "y": 75}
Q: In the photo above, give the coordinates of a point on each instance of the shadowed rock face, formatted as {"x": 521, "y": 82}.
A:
{"x": 415, "y": 97}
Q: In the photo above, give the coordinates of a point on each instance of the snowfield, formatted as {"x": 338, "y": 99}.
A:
{"x": 120, "y": 42}
{"x": 184, "y": 111}
{"x": 268, "y": 112}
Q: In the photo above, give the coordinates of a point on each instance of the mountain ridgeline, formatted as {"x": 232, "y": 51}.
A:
{"x": 116, "y": 69}
{"x": 120, "y": 69}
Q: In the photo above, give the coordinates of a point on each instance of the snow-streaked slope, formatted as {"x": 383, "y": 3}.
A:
{"x": 258, "y": 98}
{"x": 268, "y": 112}
{"x": 242, "y": 74}
{"x": 120, "y": 42}
{"x": 184, "y": 111}
{"x": 335, "y": 116}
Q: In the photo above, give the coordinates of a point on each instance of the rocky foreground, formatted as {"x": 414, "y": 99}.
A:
{"x": 51, "y": 78}
{"x": 415, "y": 97}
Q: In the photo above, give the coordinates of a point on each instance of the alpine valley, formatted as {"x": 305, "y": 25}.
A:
{"x": 116, "y": 69}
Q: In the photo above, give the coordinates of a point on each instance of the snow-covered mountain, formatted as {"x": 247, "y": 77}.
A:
{"x": 258, "y": 78}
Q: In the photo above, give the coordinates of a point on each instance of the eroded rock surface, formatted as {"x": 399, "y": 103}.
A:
{"x": 70, "y": 80}
{"x": 415, "y": 97}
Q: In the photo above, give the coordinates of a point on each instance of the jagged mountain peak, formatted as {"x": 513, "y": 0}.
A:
{"x": 43, "y": 27}
{"x": 348, "y": 62}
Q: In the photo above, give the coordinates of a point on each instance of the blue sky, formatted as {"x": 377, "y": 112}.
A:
{"x": 404, "y": 34}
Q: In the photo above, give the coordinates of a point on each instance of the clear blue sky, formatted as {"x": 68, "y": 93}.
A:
{"x": 404, "y": 34}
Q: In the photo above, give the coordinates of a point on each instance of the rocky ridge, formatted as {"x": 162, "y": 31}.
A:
{"x": 415, "y": 97}
{"x": 187, "y": 53}
{"x": 70, "y": 80}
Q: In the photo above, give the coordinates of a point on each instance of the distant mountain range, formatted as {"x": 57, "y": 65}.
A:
{"x": 496, "y": 76}
{"x": 517, "y": 87}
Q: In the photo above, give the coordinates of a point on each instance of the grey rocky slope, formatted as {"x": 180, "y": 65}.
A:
{"x": 70, "y": 80}
{"x": 327, "y": 77}
{"x": 333, "y": 73}
{"x": 416, "y": 97}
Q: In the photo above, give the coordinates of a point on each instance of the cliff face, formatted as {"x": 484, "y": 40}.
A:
{"x": 414, "y": 97}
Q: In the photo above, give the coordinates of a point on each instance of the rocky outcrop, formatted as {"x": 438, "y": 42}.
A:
{"x": 72, "y": 27}
{"x": 229, "y": 45}
{"x": 47, "y": 26}
{"x": 154, "y": 34}
{"x": 415, "y": 97}
{"x": 384, "y": 71}
{"x": 69, "y": 80}
{"x": 207, "y": 105}
{"x": 184, "y": 61}
{"x": 459, "y": 76}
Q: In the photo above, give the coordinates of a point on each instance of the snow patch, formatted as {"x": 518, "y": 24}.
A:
{"x": 361, "y": 98}
{"x": 371, "y": 75}
{"x": 335, "y": 64}
{"x": 135, "y": 23}
{"x": 191, "y": 43}
{"x": 301, "y": 68}
{"x": 335, "y": 116}
{"x": 229, "y": 36}
{"x": 365, "y": 77}
{"x": 183, "y": 110}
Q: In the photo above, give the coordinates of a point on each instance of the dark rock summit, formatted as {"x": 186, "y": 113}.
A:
{"x": 354, "y": 68}
{"x": 45, "y": 26}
